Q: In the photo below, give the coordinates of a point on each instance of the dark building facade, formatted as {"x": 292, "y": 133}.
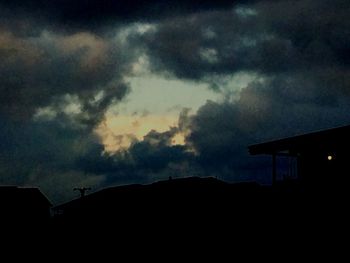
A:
{"x": 322, "y": 158}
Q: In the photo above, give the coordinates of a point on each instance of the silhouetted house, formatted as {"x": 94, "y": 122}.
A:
{"x": 318, "y": 158}
{"x": 23, "y": 204}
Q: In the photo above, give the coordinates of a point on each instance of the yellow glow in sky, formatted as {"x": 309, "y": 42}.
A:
{"x": 139, "y": 126}
{"x": 178, "y": 139}
{"x": 119, "y": 131}
{"x": 155, "y": 103}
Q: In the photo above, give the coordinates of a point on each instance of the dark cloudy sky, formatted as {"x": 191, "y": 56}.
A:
{"x": 99, "y": 93}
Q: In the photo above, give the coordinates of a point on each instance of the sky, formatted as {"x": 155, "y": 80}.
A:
{"x": 102, "y": 93}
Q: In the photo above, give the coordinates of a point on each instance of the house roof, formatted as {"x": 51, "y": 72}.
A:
{"x": 330, "y": 138}
{"x": 11, "y": 194}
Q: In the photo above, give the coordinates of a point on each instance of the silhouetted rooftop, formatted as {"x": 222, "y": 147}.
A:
{"x": 14, "y": 193}
{"x": 336, "y": 137}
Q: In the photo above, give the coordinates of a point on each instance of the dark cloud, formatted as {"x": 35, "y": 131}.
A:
{"x": 54, "y": 91}
{"x": 95, "y": 14}
{"x": 57, "y": 81}
{"x": 153, "y": 153}
{"x": 299, "y": 50}
{"x": 267, "y": 37}
{"x": 39, "y": 72}
{"x": 46, "y": 154}
{"x": 155, "y": 157}
{"x": 156, "y": 151}
{"x": 221, "y": 132}
{"x": 57, "y": 156}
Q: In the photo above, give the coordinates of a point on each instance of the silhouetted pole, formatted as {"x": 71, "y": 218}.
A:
{"x": 82, "y": 190}
{"x": 274, "y": 169}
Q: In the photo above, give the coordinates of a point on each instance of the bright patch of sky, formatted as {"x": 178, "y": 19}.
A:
{"x": 158, "y": 95}
{"x": 155, "y": 103}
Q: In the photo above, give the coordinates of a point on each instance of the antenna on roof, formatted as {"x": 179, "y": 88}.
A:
{"x": 82, "y": 190}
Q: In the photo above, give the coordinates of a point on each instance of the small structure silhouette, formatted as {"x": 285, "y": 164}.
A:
{"x": 82, "y": 190}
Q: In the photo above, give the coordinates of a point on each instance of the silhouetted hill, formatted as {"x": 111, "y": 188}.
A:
{"x": 191, "y": 210}
{"x": 181, "y": 202}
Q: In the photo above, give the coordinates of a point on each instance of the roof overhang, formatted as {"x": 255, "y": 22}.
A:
{"x": 326, "y": 139}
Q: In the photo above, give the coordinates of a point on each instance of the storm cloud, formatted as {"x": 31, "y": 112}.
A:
{"x": 268, "y": 38}
{"x": 65, "y": 63}
{"x": 55, "y": 89}
{"x": 38, "y": 71}
{"x": 298, "y": 52}
{"x": 94, "y": 14}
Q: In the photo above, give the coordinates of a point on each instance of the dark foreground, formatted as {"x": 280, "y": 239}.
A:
{"x": 181, "y": 213}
